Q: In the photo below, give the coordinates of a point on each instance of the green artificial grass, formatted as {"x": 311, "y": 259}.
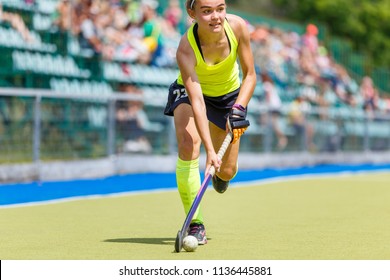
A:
{"x": 324, "y": 218}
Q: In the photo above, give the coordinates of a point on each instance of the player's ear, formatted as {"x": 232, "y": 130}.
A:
{"x": 191, "y": 13}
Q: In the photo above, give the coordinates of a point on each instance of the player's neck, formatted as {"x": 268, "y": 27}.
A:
{"x": 208, "y": 38}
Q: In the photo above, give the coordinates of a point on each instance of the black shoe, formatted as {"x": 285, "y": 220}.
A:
{"x": 199, "y": 232}
{"x": 219, "y": 184}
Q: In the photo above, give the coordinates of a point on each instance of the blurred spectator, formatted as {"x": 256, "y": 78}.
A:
{"x": 260, "y": 34}
{"x": 290, "y": 53}
{"x": 274, "y": 106}
{"x": 133, "y": 10}
{"x": 370, "y": 96}
{"x": 310, "y": 63}
{"x": 123, "y": 30}
{"x": 308, "y": 76}
{"x": 173, "y": 14}
{"x": 152, "y": 30}
{"x": 261, "y": 52}
{"x": 303, "y": 129}
{"x": 321, "y": 99}
{"x": 324, "y": 64}
{"x": 383, "y": 111}
{"x": 345, "y": 87}
{"x": 4, "y": 115}
{"x": 121, "y": 42}
{"x": 310, "y": 39}
{"x": 309, "y": 73}
{"x": 90, "y": 35}
{"x": 130, "y": 122}
{"x": 16, "y": 22}
{"x": 153, "y": 35}
{"x": 63, "y": 15}
{"x": 276, "y": 61}
{"x": 387, "y": 107}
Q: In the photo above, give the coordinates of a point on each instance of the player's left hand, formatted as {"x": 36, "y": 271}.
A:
{"x": 237, "y": 122}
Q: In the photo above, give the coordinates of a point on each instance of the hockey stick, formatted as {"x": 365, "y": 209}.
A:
{"x": 199, "y": 195}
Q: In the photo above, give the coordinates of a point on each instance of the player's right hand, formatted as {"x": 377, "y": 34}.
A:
{"x": 212, "y": 160}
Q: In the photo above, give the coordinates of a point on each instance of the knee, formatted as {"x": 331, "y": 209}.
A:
{"x": 228, "y": 172}
{"x": 188, "y": 147}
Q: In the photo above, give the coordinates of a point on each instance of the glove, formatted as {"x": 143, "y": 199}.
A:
{"x": 237, "y": 121}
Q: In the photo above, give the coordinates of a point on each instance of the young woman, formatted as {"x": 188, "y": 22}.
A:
{"x": 208, "y": 98}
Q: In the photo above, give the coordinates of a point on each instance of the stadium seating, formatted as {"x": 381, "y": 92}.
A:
{"x": 75, "y": 86}
{"x": 12, "y": 39}
{"x": 55, "y": 60}
{"x": 56, "y": 65}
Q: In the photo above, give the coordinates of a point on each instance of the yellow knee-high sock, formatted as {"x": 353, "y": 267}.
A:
{"x": 188, "y": 183}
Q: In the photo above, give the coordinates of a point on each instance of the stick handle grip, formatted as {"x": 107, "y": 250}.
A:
{"x": 225, "y": 144}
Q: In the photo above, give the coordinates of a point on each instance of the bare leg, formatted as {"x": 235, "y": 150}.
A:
{"x": 229, "y": 161}
{"x": 188, "y": 139}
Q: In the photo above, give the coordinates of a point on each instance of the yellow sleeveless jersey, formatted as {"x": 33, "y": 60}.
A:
{"x": 221, "y": 78}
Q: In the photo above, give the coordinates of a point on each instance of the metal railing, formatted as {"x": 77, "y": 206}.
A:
{"x": 42, "y": 125}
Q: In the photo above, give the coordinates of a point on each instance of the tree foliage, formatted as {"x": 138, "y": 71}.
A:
{"x": 365, "y": 22}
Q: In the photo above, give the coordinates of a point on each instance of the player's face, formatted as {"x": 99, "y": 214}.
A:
{"x": 210, "y": 14}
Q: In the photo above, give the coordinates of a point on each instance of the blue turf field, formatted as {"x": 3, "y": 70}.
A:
{"x": 12, "y": 194}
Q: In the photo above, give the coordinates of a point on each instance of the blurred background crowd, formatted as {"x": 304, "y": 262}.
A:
{"x": 296, "y": 71}
{"x": 123, "y": 29}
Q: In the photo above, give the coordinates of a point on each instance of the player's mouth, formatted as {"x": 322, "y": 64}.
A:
{"x": 215, "y": 25}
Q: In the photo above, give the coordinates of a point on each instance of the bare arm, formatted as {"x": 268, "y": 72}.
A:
{"x": 246, "y": 59}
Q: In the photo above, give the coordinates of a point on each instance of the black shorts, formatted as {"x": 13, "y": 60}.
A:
{"x": 217, "y": 108}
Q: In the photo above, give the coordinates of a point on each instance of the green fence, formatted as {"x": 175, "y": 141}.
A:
{"x": 37, "y": 125}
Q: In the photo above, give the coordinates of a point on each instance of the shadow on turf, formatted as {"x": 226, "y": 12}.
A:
{"x": 157, "y": 241}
